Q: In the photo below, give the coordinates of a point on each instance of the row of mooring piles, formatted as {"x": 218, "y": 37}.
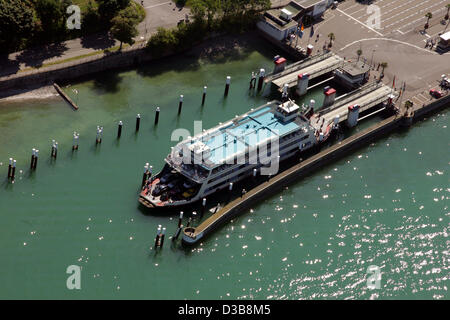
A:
{"x": 261, "y": 78}
{"x": 160, "y": 235}
{"x": 99, "y": 134}
{"x": 180, "y": 225}
{"x": 12, "y": 169}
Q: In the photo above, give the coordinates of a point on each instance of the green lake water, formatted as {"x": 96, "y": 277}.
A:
{"x": 385, "y": 205}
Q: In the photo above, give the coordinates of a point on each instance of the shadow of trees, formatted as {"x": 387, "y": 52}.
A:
{"x": 99, "y": 41}
{"x": 35, "y": 57}
{"x": 107, "y": 82}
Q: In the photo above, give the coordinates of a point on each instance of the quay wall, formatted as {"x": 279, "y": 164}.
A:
{"x": 73, "y": 70}
{"x": 306, "y": 167}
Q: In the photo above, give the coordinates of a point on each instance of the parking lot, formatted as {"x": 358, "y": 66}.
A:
{"x": 397, "y": 16}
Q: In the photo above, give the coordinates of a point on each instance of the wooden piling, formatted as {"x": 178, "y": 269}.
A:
{"x": 204, "y": 95}
{"x": 227, "y": 86}
{"x": 157, "y": 115}
{"x": 65, "y": 96}
{"x": 180, "y": 105}
{"x": 138, "y": 122}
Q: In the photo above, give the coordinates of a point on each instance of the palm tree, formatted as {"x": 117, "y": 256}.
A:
{"x": 332, "y": 37}
{"x": 359, "y": 53}
{"x": 428, "y": 15}
{"x": 448, "y": 10}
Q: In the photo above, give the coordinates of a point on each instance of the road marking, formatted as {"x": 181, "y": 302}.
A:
{"x": 400, "y": 32}
{"x": 434, "y": 12}
{"x": 157, "y": 5}
{"x": 388, "y": 39}
{"x": 360, "y": 22}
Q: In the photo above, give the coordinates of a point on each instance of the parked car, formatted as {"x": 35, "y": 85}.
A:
{"x": 435, "y": 93}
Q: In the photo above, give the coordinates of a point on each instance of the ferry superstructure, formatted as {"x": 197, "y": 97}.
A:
{"x": 252, "y": 143}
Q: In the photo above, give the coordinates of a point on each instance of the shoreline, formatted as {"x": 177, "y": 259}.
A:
{"x": 220, "y": 46}
{"x": 30, "y": 94}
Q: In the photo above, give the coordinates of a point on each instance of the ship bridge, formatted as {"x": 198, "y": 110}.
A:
{"x": 314, "y": 66}
{"x": 365, "y": 97}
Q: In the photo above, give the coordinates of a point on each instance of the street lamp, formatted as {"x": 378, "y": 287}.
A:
{"x": 371, "y": 62}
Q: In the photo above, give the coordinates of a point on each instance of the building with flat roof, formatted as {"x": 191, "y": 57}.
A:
{"x": 314, "y": 8}
{"x": 279, "y": 23}
{"x": 352, "y": 74}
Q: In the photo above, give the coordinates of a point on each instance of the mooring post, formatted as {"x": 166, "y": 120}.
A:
{"x": 36, "y": 156}
{"x": 13, "y": 172}
{"x": 98, "y": 140}
{"x": 158, "y": 233}
{"x": 56, "y": 150}
{"x": 52, "y": 154}
{"x": 76, "y": 136}
{"x": 180, "y": 219}
{"x": 227, "y": 85}
{"x": 145, "y": 176}
{"x": 204, "y": 95}
{"x": 203, "y": 207}
{"x": 230, "y": 189}
{"x": 189, "y": 222}
{"x": 262, "y": 74}
{"x": 157, "y": 115}
{"x": 163, "y": 235}
{"x": 180, "y": 105}
{"x": 10, "y": 168}
{"x": 119, "y": 130}
{"x": 138, "y": 122}
{"x": 33, "y": 155}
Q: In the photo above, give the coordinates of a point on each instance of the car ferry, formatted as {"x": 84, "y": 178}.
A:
{"x": 252, "y": 143}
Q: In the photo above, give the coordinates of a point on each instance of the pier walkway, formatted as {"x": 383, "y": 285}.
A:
{"x": 193, "y": 235}
{"x": 315, "y": 66}
{"x": 366, "y": 97}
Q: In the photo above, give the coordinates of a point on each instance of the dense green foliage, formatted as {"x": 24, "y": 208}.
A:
{"x": 209, "y": 16}
{"x": 124, "y": 25}
{"x": 24, "y": 23}
{"x": 17, "y": 20}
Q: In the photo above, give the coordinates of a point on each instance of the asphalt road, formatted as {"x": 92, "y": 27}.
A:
{"x": 160, "y": 13}
{"x": 398, "y": 40}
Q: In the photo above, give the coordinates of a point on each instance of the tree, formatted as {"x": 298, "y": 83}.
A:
{"x": 332, "y": 38}
{"x": 448, "y": 10}
{"x": 428, "y": 15}
{"x": 109, "y": 8}
{"x": 51, "y": 15}
{"x": 16, "y": 22}
{"x": 123, "y": 29}
{"x": 359, "y": 53}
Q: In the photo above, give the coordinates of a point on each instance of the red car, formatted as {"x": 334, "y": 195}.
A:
{"x": 435, "y": 93}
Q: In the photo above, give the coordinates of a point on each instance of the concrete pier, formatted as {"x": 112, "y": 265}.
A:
{"x": 192, "y": 235}
{"x": 314, "y": 66}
